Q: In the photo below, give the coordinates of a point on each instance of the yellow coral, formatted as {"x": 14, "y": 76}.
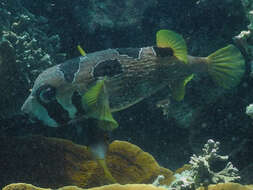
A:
{"x": 23, "y": 186}
{"x": 183, "y": 168}
{"x": 128, "y": 187}
{"x": 52, "y": 162}
{"x": 129, "y": 164}
{"x": 220, "y": 186}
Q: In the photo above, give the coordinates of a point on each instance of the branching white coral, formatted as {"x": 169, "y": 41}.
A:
{"x": 183, "y": 181}
{"x": 204, "y": 174}
{"x": 203, "y": 171}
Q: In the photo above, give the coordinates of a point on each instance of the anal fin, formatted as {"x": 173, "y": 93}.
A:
{"x": 178, "y": 87}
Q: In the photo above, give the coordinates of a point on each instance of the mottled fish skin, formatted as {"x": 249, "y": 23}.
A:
{"x": 132, "y": 75}
{"x": 143, "y": 76}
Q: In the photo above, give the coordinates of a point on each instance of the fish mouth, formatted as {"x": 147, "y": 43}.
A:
{"x": 26, "y": 107}
{"x": 37, "y": 112}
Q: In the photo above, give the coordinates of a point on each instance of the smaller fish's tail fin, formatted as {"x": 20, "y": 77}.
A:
{"x": 226, "y": 66}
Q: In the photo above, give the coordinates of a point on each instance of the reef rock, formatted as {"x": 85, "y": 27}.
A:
{"x": 26, "y": 49}
{"x": 111, "y": 14}
{"x": 245, "y": 41}
{"x": 51, "y": 162}
{"x": 248, "y": 7}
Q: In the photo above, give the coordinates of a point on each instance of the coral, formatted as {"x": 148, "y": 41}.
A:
{"x": 226, "y": 186}
{"x": 128, "y": 187}
{"x": 220, "y": 186}
{"x": 204, "y": 173}
{"x": 122, "y": 154}
{"x": 32, "y": 49}
{"x": 248, "y": 6}
{"x": 249, "y": 110}
{"x": 183, "y": 181}
{"x": 7, "y": 57}
{"x": 23, "y": 186}
{"x": 9, "y": 76}
{"x": 157, "y": 181}
{"x": 184, "y": 168}
{"x": 51, "y": 162}
{"x": 202, "y": 170}
{"x": 245, "y": 39}
{"x": 110, "y": 14}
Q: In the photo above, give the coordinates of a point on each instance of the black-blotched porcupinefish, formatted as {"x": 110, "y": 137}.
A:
{"x": 103, "y": 82}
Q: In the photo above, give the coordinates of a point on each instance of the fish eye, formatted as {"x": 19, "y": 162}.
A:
{"x": 46, "y": 93}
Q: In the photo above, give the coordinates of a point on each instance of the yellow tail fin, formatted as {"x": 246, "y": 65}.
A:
{"x": 226, "y": 66}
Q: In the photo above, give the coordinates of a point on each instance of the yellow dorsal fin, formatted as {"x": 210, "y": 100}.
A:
{"x": 178, "y": 88}
{"x": 170, "y": 39}
{"x": 95, "y": 102}
{"x": 80, "y": 49}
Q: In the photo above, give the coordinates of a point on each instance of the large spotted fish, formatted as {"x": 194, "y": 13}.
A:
{"x": 103, "y": 82}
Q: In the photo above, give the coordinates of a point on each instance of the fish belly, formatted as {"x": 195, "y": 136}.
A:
{"x": 130, "y": 93}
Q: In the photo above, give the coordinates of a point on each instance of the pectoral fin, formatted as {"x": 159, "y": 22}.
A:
{"x": 178, "y": 87}
{"x": 96, "y": 102}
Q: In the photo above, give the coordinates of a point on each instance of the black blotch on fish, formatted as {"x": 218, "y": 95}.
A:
{"x": 57, "y": 112}
{"x": 77, "y": 102}
{"x": 131, "y": 52}
{"x": 108, "y": 68}
{"x": 163, "y": 52}
{"x": 69, "y": 68}
{"x": 54, "y": 109}
{"x": 46, "y": 93}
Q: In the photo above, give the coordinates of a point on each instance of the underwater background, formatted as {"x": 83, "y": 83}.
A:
{"x": 36, "y": 35}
